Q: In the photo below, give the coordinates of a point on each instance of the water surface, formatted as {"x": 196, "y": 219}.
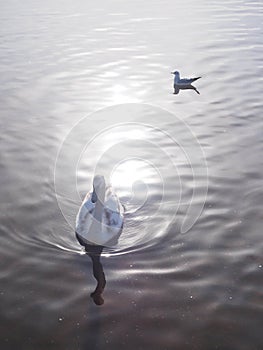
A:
{"x": 68, "y": 71}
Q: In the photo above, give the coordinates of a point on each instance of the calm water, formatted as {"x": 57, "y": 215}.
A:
{"x": 87, "y": 87}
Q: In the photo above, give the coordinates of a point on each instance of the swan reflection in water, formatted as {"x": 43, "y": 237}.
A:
{"x": 99, "y": 223}
{"x": 94, "y": 252}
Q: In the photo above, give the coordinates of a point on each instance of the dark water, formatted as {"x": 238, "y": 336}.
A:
{"x": 86, "y": 87}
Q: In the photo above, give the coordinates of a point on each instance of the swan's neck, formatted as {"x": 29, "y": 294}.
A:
{"x": 99, "y": 205}
{"x": 96, "y": 225}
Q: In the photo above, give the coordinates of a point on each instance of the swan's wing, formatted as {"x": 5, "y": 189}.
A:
{"x": 88, "y": 203}
{"x": 85, "y": 209}
{"x": 113, "y": 209}
{"x": 111, "y": 200}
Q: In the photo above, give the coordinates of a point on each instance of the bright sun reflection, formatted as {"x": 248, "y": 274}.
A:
{"x": 126, "y": 173}
{"x": 120, "y": 94}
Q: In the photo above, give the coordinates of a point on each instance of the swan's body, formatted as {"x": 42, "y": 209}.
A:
{"x": 100, "y": 217}
{"x": 182, "y": 82}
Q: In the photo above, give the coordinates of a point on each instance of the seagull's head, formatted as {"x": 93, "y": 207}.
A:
{"x": 175, "y": 73}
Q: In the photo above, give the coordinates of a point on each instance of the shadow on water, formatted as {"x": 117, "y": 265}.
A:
{"x": 94, "y": 252}
{"x": 187, "y": 87}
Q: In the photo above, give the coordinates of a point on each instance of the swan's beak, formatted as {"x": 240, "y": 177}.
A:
{"x": 94, "y": 196}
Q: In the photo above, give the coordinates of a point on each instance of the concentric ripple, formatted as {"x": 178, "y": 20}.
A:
{"x": 154, "y": 162}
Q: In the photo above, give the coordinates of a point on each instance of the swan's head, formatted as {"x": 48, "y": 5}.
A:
{"x": 98, "y": 181}
{"x": 98, "y": 188}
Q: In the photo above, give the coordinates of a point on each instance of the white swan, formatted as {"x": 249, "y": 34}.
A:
{"x": 100, "y": 217}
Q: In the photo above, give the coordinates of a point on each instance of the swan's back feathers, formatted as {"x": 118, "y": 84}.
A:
{"x": 111, "y": 200}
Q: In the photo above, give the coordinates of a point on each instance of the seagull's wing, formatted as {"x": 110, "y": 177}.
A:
{"x": 193, "y": 79}
{"x": 187, "y": 81}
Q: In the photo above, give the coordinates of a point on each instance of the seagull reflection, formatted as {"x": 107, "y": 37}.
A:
{"x": 94, "y": 252}
{"x": 188, "y": 87}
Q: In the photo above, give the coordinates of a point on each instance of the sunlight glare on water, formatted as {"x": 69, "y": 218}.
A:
{"x": 125, "y": 174}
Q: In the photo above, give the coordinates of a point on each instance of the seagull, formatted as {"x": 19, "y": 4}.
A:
{"x": 183, "y": 83}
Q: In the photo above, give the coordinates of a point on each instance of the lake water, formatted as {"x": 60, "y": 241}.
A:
{"x": 86, "y": 88}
